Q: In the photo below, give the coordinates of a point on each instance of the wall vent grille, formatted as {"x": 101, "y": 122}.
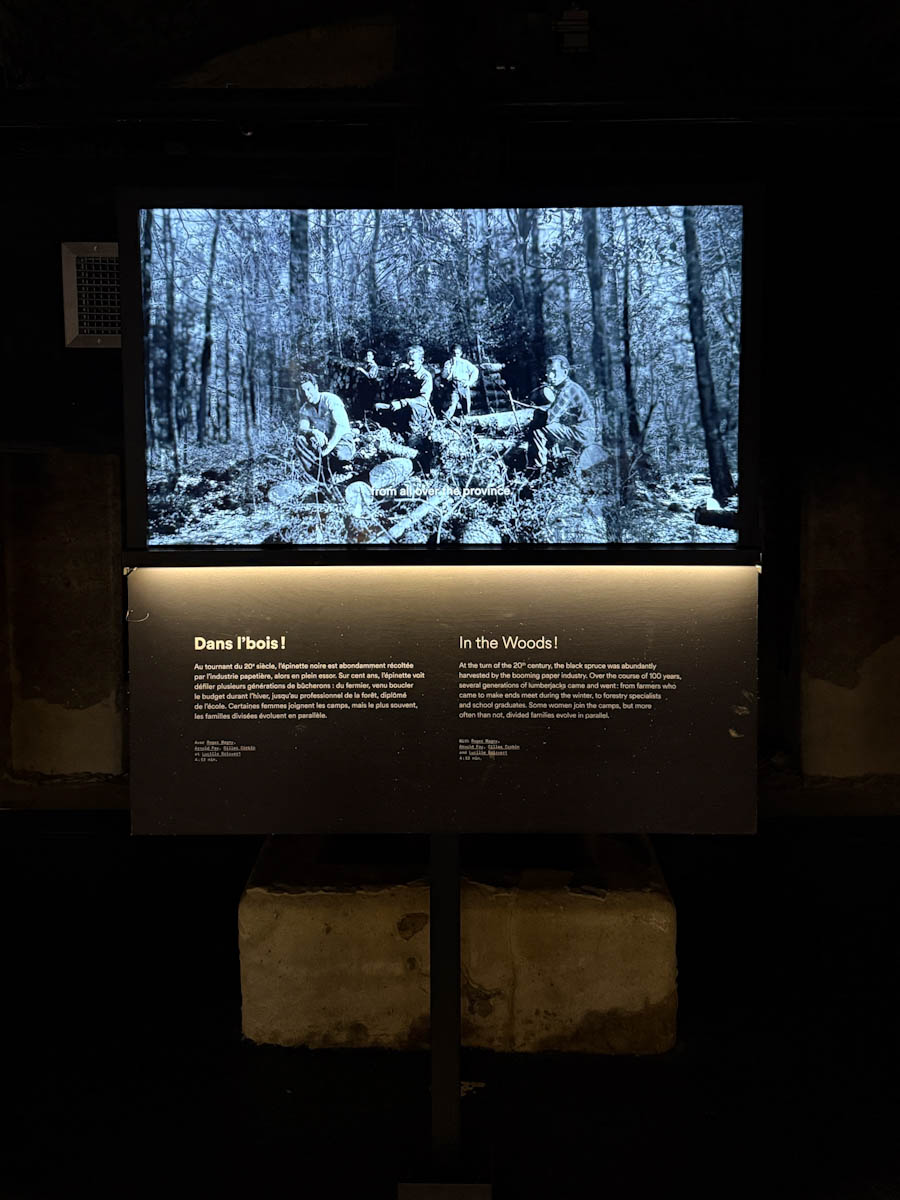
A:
{"x": 91, "y": 294}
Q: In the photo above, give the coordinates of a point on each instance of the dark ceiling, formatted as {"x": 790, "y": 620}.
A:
{"x": 657, "y": 49}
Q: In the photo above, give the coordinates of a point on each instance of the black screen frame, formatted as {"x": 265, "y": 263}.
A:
{"x": 390, "y": 191}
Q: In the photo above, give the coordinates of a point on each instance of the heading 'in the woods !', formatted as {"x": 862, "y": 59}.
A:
{"x": 426, "y": 376}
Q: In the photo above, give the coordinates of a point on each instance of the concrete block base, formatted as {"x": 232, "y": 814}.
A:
{"x": 576, "y": 960}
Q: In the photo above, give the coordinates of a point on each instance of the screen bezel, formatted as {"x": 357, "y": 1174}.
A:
{"x": 389, "y": 193}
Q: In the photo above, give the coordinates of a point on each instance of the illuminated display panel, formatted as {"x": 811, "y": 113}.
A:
{"x": 469, "y": 379}
{"x": 420, "y": 698}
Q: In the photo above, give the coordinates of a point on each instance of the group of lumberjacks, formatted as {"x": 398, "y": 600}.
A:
{"x": 559, "y": 422}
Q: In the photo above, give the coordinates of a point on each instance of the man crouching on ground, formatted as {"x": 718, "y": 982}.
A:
{"x": 416, "y": 412}
{"x": 325, "y": 431}
{"x": 418, "y": 409}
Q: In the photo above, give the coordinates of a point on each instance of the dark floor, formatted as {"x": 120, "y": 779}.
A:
{"x": 124, "y": 1073}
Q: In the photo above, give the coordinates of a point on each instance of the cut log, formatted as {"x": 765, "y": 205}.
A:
{"x": 722, "y": 518}
{"x": 440, "y": 503}
{"x": 497, "y": 445}
{"x": 290, "y": 491}
{"x": 505, "y": 420}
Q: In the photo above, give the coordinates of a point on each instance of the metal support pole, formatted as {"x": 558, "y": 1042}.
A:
{"x": 445, "y": 1033}
{"x": 445, "y": 983}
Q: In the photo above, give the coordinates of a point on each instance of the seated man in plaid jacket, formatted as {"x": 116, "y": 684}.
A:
{"x": 564, "y": 421}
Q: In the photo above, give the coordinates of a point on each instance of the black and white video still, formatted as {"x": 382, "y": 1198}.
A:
{"x": 338, "y": 377}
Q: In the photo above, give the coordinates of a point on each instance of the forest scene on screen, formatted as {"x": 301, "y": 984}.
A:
{"x": 441, "y": 376}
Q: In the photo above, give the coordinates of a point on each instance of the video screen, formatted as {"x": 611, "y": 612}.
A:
{"x": 501, "y": 376}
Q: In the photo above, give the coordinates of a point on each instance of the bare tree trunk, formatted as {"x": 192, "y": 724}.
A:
{"x": 486, "y": 253}
{"x": 330, "y": 315}
{"x": 478, "y": 277}
{"x": 227, "y": 385}
{"x": 731, "y": 316}
{"x": 596, "y": 273}
{"x": 566, "y": 290}
{"x": 419, "y": 222}
{"x": 719, "y": 471}
{"x": 609, "y": 414}
{"x": 206, "y": 356}
{"x": 169, "y": 341}
{"x": 536, "y": 286}
{"x": 635, "y": 432}
{"x": 299, "y": 280}
{"x": 249, "y": 283}
{"x": 245, "y": 404}
{"x": 215, "y": 401}
{"x": 522, "y": 285}
{"x": 251, "y": 376}
{"x": 420, "y": 271}
{"x": 274, "y": 398}
{"x": 146, "y": 289}
{"x": 465, "y": 275}
{"x": 182, "y": 400}
{"x": 372, "y": 277}
{"x": 606, "y": 233}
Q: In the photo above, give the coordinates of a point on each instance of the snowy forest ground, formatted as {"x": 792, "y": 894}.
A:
{"x": 226, "y": 499}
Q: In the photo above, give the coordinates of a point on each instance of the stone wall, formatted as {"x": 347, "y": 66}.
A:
{"x": 851, "y": 625}
{"x": 63, "y": 577}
